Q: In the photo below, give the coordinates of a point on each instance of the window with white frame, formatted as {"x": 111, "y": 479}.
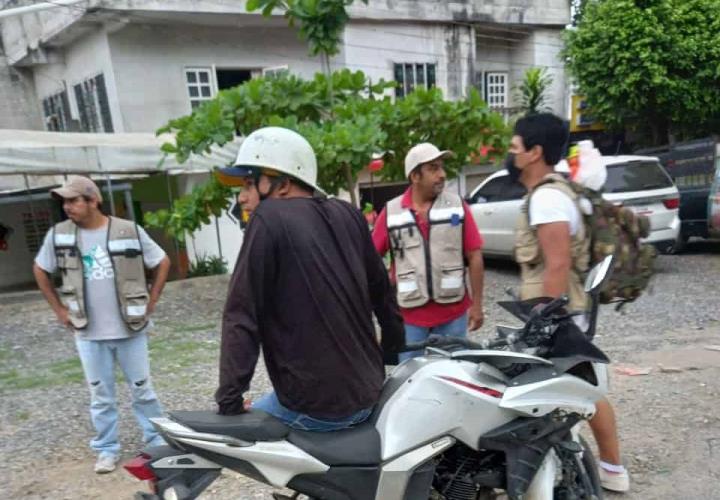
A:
{"x": 200, "y": 85}
{"x": 496, "y": 89}
{"x": 93, "y": 106}
{"x": 410, "y": 76}
{"x": 276, "y": 71}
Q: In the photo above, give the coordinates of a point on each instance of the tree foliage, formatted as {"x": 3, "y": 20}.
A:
{"x": 532, "y": 91}
{"x": 346, "y": 123}
{"x": 321, "y": 22}
{"x": 190, "y": 212}
{"x": 651, "y": 66}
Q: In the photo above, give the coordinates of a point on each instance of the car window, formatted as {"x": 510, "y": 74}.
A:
{"x": 636, "y": 176}
{"x": 499, "y": 189}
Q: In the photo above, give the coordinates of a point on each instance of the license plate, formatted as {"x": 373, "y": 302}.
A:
{"x": 642, "y": 210}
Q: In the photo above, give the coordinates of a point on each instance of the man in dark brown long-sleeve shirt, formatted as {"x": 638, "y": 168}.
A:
{"x": 305, "y": 286}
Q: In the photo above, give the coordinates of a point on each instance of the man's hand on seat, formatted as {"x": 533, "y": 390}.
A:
{"x": 236, "y": 407}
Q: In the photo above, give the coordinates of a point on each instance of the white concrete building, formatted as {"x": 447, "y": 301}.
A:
{"x": 132, "y": 65}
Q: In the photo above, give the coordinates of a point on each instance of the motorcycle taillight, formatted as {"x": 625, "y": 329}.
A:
{"x": 140, "y": 468}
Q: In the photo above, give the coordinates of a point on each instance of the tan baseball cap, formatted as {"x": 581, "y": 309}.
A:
{"x": 77, "y": 185}
{"x": 423, "y": 153}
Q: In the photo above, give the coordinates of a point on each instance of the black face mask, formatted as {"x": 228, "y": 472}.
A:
{"x": 513, "y": 171}
{"x": 274, "y": 184}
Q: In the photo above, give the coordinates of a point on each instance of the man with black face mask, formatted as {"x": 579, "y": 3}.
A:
{"x": 305, "y": 286}
{"x": 512, "y": 170}
{"x": 553, "y": 249}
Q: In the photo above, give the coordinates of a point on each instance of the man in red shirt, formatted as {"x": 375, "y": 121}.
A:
{"x": 432, "y": 236}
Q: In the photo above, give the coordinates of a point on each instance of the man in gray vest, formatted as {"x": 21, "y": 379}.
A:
{"x": 104, "y": 299}
{"x": 431, "y": 235}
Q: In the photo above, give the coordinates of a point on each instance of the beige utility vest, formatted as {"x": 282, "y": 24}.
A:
{"x": 529, "y": 255}
{"x": 125, "y": 250}
{"x": 433, "y": 268}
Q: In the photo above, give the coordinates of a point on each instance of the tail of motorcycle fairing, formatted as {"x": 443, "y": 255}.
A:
{"x": 172, "y": 473}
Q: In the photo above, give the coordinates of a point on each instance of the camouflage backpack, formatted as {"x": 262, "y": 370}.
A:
{"x": 616, "y": 230}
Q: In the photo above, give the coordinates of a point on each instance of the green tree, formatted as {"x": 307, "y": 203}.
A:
{"x": 321, "y": 22}
{"x": 578, "y": 8}
{"x": 345, "y": 126}
{"x": 650, "y": 66}
{"x": 344, "y": 116}
{"x": 532, "y": 91}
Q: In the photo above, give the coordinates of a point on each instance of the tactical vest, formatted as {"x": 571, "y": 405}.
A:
{"x": 433, "y": 268}
{"x": 125, "y": 250}
{"x": 529, "y": 255}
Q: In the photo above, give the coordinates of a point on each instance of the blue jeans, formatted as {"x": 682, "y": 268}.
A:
{"x": 414, "y": 334}
{"x": 269, "y": 403}
{"x": 98, "y": 360}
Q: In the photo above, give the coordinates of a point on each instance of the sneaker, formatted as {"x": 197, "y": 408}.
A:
{"x": 614, "y": 481}
{"x": 105, "y": 463}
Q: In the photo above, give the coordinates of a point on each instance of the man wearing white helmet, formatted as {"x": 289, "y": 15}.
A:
{"x": 305, "y": 285}
{"x": 432, "y": 236}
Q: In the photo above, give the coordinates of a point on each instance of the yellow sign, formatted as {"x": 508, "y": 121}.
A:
{"x": 580, "y": 118}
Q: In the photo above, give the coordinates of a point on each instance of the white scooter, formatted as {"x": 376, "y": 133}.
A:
{"x": 466, "y": 421}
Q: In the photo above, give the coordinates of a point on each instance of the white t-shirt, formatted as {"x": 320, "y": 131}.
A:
{"x": 104, "y": 319}
{"x": 552, "y": 205}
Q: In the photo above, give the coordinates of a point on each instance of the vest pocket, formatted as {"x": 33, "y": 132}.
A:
{"x": 67, "y": 260}
{"x": 452, "y": 281}
{"x": 136, "y": 306}
{"x": 69, "y": 298}
{"x": 407, "y": 286}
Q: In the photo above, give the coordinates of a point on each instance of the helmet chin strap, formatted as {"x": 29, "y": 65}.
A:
{"x": 274, "y": 184}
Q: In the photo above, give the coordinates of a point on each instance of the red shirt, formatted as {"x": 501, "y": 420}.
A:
{"x": 432, "y": 313}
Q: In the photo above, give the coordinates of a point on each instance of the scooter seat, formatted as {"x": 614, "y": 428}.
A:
{"x": 254, "y": 425}
{"x": 354, "y": 446}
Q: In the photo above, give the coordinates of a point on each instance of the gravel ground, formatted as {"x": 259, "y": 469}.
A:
{"x": 669, "y": 422}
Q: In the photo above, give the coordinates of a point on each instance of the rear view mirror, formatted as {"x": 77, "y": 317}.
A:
{"x": 597, "y": 275}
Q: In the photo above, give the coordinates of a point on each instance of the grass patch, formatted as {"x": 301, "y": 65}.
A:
{"x": 167, "y": 353}
{"x": 5, "y": 354}
{"x": 48, "y": 375}
{"x": 174, "y": 327}
{"x": 172, "y": 353}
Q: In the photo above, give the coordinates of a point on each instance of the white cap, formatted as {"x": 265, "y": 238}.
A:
{"x": 423, "y": 153}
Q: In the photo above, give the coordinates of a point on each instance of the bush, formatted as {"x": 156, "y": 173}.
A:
{"x": 207, "y": 266}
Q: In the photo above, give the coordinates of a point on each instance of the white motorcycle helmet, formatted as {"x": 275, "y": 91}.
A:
{"x": 281, "y": 150}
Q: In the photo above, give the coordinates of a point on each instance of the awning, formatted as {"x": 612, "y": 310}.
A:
{"x": 46, "y": 157}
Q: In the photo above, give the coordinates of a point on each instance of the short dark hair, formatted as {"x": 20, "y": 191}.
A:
{"x": 545, "y": 130}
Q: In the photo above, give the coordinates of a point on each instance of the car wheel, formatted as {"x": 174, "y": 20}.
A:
{"x": 678, "y": 246}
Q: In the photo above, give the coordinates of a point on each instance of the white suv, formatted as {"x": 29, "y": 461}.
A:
{"x": 637, "y": 182}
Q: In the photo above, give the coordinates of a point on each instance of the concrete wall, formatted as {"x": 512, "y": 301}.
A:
{"x": 204, "y": 242}
{"x": 149, "y": 63}
{"x": 373, "y": 48}
{"x": 16, "y": 262}
{"x": 531, "y": 12}
{"x": 547, "y": 46}
{"x": 539, "y": 49}
{"x": 19, "y": 108}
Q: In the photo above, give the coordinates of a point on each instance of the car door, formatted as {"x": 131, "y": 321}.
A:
{"x": 714, "y": 201}
{"x": 495, "y": 206}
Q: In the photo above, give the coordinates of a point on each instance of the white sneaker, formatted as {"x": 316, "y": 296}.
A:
{"x": 614, "y": 481}
{"x": 105, "y": 463}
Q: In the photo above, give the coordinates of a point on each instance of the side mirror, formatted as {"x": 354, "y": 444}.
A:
{"x": 598, "y": 274}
